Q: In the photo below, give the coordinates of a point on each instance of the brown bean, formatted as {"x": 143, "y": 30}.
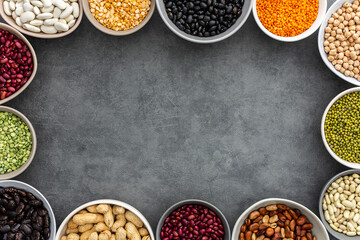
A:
{"x": 301, "y": 220}
{"x": 269, "y": 232}
{"x": 262, "y": 211}
{"x": 254, "y": 215}
{"x": 248, "y": 235}
{"x": 293, "y": 214}
{"x": 309, "y": 236}
{"x": 307, "y": 226}
{"x": 292, "y": 225}
{"x": 282, "y": 217}
{"x": 253, "y": 227}
{"x": 282, "y": 207}
{"x": 243, "y": 228}
{"x": 287, "y": 215}
{"x": 263, "y": 226}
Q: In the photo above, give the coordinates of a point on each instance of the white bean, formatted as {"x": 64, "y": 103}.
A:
{"x": 19, "y": 10}
{"x": 47, "y": 9}
{"x": 37, "y": 22}
{"x": 56, "y": 12}
{"x": 12, "y": 5}
{"x": 43, "y": 16}
{"x": 61, "y": 26}
{"x": 37, "y": 4}
{"x": 69, "y": 18}
{"x": 47, "y": 3}
{"x": 31, "y": 28}
{"x": 7, "y": 8}
{"x": 66, "y": 13}
{"x": 36, "y": 10}
{"x": 14, "y": 16}
{"x": 27, "y": 17}
{"x": 51, "y": 21}
{"x": 59, "y": 3}
{"x": 48, "y": 29}
{"x": 71, "y": 23}
{"x": 18, "y": 21}
{"x": 76, "y": 10}
{"x": 28, "y": 7}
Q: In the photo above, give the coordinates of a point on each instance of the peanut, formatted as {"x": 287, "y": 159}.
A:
{"x": 92, "y": 209}
{"x": 118, "y": 210}
{"x": 101, "y": 226}
{"x": 131, "y": 231}
{"x": 73, "y": 236}
{"x": 93, "y": 236}
{"x": 109, "y": 218}
{"x": 131, "y": 217}
{"x": 85, "y": 218}
{"x": 103, "y": 208}
{"x": 85, "y": 227}
{"x": 120, "y": 234}
{"x": 143, "y": 231}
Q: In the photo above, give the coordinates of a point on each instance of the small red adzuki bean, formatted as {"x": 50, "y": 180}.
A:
{"x": 16, "y": 63}
{"x": 194, "y": 222}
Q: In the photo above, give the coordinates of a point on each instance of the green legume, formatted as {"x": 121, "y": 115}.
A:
{"x": 15, "y": 142}
{"x": 342, "y": 127}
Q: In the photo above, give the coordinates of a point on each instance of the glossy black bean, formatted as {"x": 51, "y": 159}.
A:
{"x": 15, "y": 227}
{"x": 5, "y": 228}
{"x": 11, "y": 205}
{"x": 35, "y": 203}
{"x": 46, "y": 220}
{"x": 46, "y": 233}
{"x": 19, "y": 236}
{"x": 26, "y": 229}
{"x": 11, "y": 236}
{"x": 20, "y": 216}
{"x": 30, "y": 196}
{"x": 35, "y": 235}
{"x": 4, "y": 202}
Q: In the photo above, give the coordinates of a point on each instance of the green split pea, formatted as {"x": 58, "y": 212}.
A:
{"x": 342, "y": 127}
{"x": 15, "y": 142}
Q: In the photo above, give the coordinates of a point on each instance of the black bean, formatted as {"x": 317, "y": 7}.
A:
{"x": 2, "y": 190}
{"x": 16, "y": 198}
{"x": 20, "y": 216}
{"x": 46, "y": 233}
{"x": 11, "y": 214}
{"x": 5, "y": 228}
{"x": 19, "y": 236}
{"x": 11, "y": 236}
{"x": 11, "y": 205}
{"x": 15, "y": 227}
{"x": 10, "y": 190}
{"x": 3, "y": 217}
{"x": 22, "y": 193}
{"x": 20, "y": 208}
{"x": 35, "y": 203}
{"x": 35, "y": 235}
{"x": 7, "y": 196}
{"x": 4, "y": 202}
{"x": 36, "y": 227}
{"x": 26, "y": 221}
{"x": 46, "y": 220}
{"x": 42, "y": 212}
{"x": 30, "y": 196}
{"x": 26, "y": 229}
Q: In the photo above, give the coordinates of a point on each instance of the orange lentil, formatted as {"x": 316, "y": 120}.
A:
{"x": 287, "y": 18}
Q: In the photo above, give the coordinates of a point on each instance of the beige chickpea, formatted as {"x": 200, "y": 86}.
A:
{"x": 349, "y": 10}
{"x": 331, "y": 20}
{"x": 332, "y": 52}
{"x": 352, "y": 28}
{"x": 338, "y": 31}
{"x": 331, "y": 58}
{"x": 347, "y": 73}
{"x": 351, "y": 49}
{"x": 332, "y": 46}
{"x": 333, "y": 33}
{"x": 347, "y": 17}
{"x": 353, "y": 55}
{"x": 346, "y": 5}
{"x": 338, "y": 67}
{"x": 342, "y": 39}
{"x": 331, "y": 39}
{"x": 340, "y": 49}
{"x": 351, "y": 67}
{"x": 336, "y": 23}
{"x": 327, "y": 35}
{"x": 339, "y": 11}
{"x": 341, "y": 26}
{"x": 356, "y": 2}
{"x": 352, "y": 23}
{"x": 356, "y": 63}
{"x": 355, "y": 36}
{"x": 351, "y": 62}
{"x": 340, "y": 55}
{"x": 345, "y": 65}
{"x": 341, "y": 18}
{"x": 340, "y": 62}
{"x": 335, "y": 15}
{"x": 352, "y": 74}
{"x": 326, "y": 43}
{"x": 351, "y": 39}
{"x": 327, "y": 29}
{"x": 342, "y": 70}
{"x": 337, "y": 43}
{"x": 352, "y": 15}
{"x": 356, "y": 70}
{"x": 357, "y": 40}
{"x": 334, "y": 62}
{"x": 345, "y": 23}
{"x": 327, "y": 49}
{"x": 347, "y": 34}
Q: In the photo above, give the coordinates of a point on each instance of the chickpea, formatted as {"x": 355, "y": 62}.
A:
{"x": 338, "y": 67}
{"x": 340, "y": 62}
{"x": 351, "y": 62}
{"x": 327, "y": 35}
{"x": 352, "y": 28}
{"x": 346, "y": 5}
{"x": 333, "y": 62}
{"x": 342, "y": 70}
{"x": 331, "y": 20}
{"x": 337, "y": 43}
{"x": 347, "y": 34}
{"x": 349, "y": 10}
{"x": 331, "y": 58}
{"x": 351, "y": 39}
{"x": 336, "y": 23}
{"x": 341, "y": 18}
{"x": 326, "y": 43}
{"x": 353, "y": 55}
{"x": 340, "y": 49}
{"x": 332, "y": 46}
{"x": 333, "y": 33}
{"x": 352, "y": 15}
{"x": 341, "y": 26}
{"x": 356, "y": 2}
{"x": 331, "y": 39}
{"x": 340, "y": 55}
{"x": 352, "y": 23}
{"x": 327, "y": 29}
{"x": 327, "y": 49}
{"x": 347, "y": 73}
{"x": 356, "y": 63}
{"x": 357, "y": 14}
{"x": 356, "y": 70}
{"x": 351, "y": 68}
{"x": 333, "y": 52}
{"x": 339, "y": 11}
{"x": 338, "y": 31}
{"x": 351, "y": 49}
{"x": 347, "y": 16}
{"x": 345, "y": 65}
{"x": 351, "y": 74}
{"x": 345, "y": 22}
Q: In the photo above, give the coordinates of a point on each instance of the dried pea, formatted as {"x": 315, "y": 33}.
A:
{"x": 15, "y": 142}
{"x": 342, "y": 127}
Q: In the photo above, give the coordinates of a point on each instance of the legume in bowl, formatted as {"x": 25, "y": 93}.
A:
{"x": 119, "y": 18}
{"x": 289, "y": 20}
{"x": 17, "y": 143}
{"x": 340, "y": 128}
{"x": 339, "y": 41}
{"x": 339, "y": 205}
{"x": 18, "y": 63}
{"x": 207, "y": 21}
{"x": 193, "y": 219}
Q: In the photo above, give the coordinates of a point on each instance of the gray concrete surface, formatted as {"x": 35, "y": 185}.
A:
{"x": 151, "y": 119}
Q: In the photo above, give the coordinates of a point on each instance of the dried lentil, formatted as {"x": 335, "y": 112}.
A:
{"x": 342, "y": 129}
{"x": 119, "y": 15}
{"x": 287, "y": 18}
{"x": 15, "y": 142}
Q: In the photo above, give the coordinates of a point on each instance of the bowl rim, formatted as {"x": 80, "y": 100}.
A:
{"x": 9, "y": 20}
{"x": 203, "y": 40}
{"x": 43, "y": 198}
{"x": 106, "y": 201}
{"x": 109, "y": 31}
{"x": 321, "y": 40}
{"x": 299, "y": 37}
{"x": 21, "y": 169}
{"x": 19, "y": 35}
{"x": 323, "y": 191}
{"x": 193, "y": 201}
{"x": 336, "y": 157}
{"x": 263, "y": 202}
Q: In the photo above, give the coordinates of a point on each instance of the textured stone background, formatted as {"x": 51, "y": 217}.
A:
{"x": 151, "y": 119}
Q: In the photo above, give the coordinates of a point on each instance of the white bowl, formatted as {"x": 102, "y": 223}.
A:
{"x": 63, "y": 226}
{"x": 38, "y": 195}
{"x": 222, "y": 36}
{"x": 318, "y": 228}
{"x": 337, "y": 158}
{"x": 336, "y": 234}
{"x": 321, "y": 38}
{"x": 316, "y": 24}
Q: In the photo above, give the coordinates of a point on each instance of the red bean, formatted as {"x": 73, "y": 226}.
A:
{"x": 16, "y": 64}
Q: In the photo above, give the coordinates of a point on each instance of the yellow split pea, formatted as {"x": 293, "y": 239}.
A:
{"x": 119, "y": 15}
